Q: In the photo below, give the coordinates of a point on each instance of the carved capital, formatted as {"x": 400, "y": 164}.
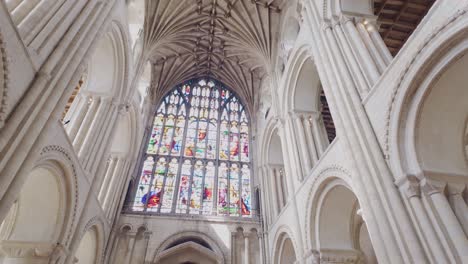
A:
{"x": 432, "y": 187}
{"x": 410, "y": 186}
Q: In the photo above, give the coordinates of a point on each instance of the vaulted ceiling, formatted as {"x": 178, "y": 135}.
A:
{"x": 233, "y": 41}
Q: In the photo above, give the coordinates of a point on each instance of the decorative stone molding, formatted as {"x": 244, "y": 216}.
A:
{"x": 340, "y": 256}
{"x": 3, "y": 81}
{"x": 48, "y": 152}
{"x": 35, "y": 250}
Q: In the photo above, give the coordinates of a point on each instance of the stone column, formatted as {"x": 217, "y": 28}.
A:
{"x": 75, "y": 123}
{"x": 84, "y": 127}
{"x": 379, "y": 43}
{"x": 455, "y": 195}
{"x": 106, "y": 179}
{"x": 268, "y": 193}
{"x": 246, "y": 248}
{"x": 279, "y": 188}
{"x": 411, "y": 189}
{"x": 305, "y": 155}
{"x": 317, "y": 133}
{"x": 94, "y": 127}
{"x": 312, "y": 146}
{"x": 116, "y": 194}
{"x": 378, "y": 59}
{"x": 447, "y": 216}
{"x": 114, "y": 182}
{"x": 273, "y": 191}
{"x": 362, "y": 53}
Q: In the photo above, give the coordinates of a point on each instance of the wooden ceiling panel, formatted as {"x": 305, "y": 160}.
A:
{"x": 398, "y": 19}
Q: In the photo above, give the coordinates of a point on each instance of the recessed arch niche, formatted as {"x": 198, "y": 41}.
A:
{"x": 87, "y": 252}
{"x": 339, "y": 227}
{"x": 441, "y": 122}
{"x": 285, "y": 252}
{"x": 40, "y": 211}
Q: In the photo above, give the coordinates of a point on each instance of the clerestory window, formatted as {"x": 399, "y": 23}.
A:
{"x": 197, "y": 160}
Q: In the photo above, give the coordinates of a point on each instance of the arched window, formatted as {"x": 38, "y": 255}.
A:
{"x": 197, "y": 160}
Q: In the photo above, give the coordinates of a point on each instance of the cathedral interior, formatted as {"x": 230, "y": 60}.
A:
{"x": 233, "y": 131}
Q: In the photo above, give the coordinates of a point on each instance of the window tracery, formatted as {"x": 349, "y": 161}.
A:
{"x": 197, "y": 159}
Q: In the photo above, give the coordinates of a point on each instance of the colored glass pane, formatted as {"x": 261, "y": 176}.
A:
{"x": 234, "y": 190}
{"x": 197, "y": 157}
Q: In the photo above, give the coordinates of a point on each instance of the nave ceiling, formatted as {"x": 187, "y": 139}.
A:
{"x": 232, "y": 41}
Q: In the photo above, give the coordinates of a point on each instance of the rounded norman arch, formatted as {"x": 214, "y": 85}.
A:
{"x": 43, "y": 212}
{"x": 110, "y": 58}
{"x": 433, "y": 87}
{"x": 193, "y": 241}
{"x": 284, "y": 247}
{"x": 91, "y": 244}
{"x": 335, "y": 225}
{"x": 301, "y": 82}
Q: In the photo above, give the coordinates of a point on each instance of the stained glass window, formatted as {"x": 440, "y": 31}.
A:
{"x": 197, "y": 160}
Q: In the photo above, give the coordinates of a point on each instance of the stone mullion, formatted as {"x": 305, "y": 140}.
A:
{"x": 189, "y": 196}
{"x": 218, "y": 149}
{"x": 151, "y": 183}
{"x": 181, "y": 161}
{"x": 194, "y": 158}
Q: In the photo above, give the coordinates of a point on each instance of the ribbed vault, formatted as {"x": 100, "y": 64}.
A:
{"x": 232, "y": 41}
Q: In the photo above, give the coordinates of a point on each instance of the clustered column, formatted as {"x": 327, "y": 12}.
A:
{"x": 312, "y": 137}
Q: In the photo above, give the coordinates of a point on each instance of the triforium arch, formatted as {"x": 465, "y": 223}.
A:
{"x": 306, "y": 108}
{"x": 285, "y": 248}
{"x": 428, "y": 167}
{"x": 274, "y": 179}
{"x": 336, "y": 228}
{"x": 181, "y": 246}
